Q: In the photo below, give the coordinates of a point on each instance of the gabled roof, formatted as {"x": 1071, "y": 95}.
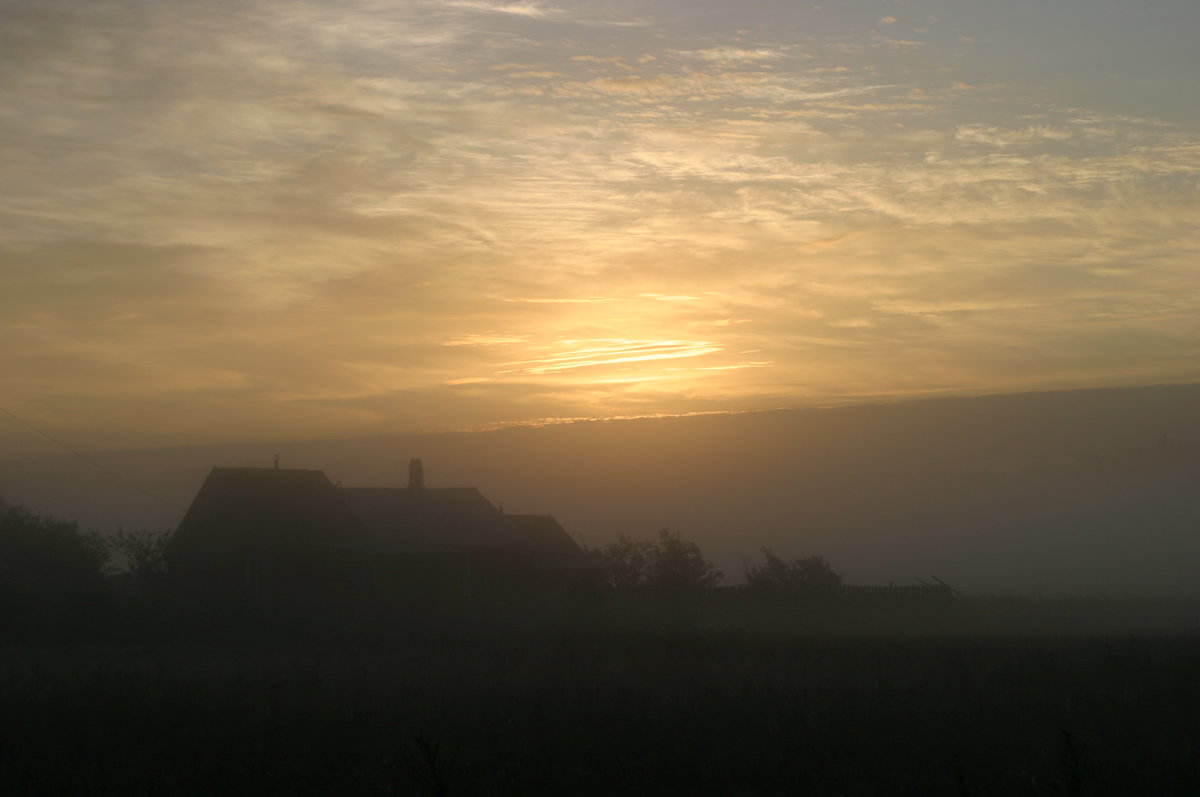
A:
{"x": 425, "y": 519}
{"x": 264, "y": 508}
{"x": 286, "y": 509}
{"x": 546, "y": 534}
{"x": 553, "y": 547}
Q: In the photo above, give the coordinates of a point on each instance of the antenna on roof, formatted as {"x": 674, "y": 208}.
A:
{"x": 276, "y": 462}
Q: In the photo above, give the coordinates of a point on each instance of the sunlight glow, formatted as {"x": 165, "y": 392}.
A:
{"x": 623, "y": 351}
{"x": 361, "y": 217}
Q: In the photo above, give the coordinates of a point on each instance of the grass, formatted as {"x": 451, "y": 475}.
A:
{"x": 629, "y": 714}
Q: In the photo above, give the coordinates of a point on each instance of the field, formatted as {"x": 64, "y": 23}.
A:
{"x": 700, "y": 712}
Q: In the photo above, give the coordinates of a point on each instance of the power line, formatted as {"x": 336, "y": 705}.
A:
{"x": 94, "y": 463}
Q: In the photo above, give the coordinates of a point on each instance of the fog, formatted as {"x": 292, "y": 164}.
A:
{"x": 1080, "y": 493}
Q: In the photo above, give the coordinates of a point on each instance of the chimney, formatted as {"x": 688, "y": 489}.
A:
{"x": 416, "y": 474}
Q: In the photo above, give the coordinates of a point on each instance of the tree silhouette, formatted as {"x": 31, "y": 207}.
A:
{"x": 144, "y": 553}
{"x": 798, "y": 579}
{"x": 678, "y": 567}
{"x": 627, "y": 563}
{"x": 672, "y": 566}
{"x": 49, "y": 569}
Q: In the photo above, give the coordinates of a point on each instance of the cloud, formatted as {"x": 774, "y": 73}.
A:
{"x": 486, "y": 340}
{"x": 534, "y": 10}
{"x": 222, "y": 222}
{"x": 610, "y": 352}
{"x": 523, "y": 9}
{"x": 558, "y": 300}
{"x": 733, "y": 54}
{"x": 1002, "y": 137}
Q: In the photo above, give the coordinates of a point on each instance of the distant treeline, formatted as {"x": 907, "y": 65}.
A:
{"x": 55, "y": 576}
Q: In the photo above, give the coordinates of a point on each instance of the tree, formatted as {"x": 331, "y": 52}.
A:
{"x": 672, "y": 566}
{"x": 144, "y": 554}
{"x": 678, "y": 567}
{"x": 49, "y": 568}
{"x": 798, "y": 579}
{"x": 627, "y": 563}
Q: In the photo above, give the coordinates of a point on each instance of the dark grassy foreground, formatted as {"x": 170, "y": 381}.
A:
{"x": 685, "y": 713}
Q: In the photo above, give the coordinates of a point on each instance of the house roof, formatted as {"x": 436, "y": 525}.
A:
{"x": 426, "y": 519}
{"x": 546, "y": 534}
{"x": 240, "y": 508}
{"x": 552, "y": 546}
{"x": 263, "y": 508}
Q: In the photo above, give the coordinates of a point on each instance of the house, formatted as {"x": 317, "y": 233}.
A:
{"x": 287, "y": 542}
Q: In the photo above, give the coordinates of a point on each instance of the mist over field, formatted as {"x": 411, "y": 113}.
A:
{"x": 483, "y": 398}
{"x": 1079, "y": 493}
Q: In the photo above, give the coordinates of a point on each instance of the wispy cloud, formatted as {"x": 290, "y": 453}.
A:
{"x": 523, "y": 9}
{"x": 283, "y": 215}
{"x": 733, "y": 54}
{"x": 535, "y": 10}
{"x": 558, "y": 300}
{"x": 486, "y": 340}
{"x": 586, "y": 354}
{"x": 658, "y": 297}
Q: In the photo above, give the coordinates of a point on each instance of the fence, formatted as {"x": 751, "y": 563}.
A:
{"x": 895, "y": 592}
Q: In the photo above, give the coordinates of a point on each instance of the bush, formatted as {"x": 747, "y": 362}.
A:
{"x": 144, "y": 554}
{"x": 50, "y": 571}
{"x": 672, "y": 566}
{"x": 797, "y": 580}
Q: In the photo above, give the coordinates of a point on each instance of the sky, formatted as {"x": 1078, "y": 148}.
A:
{"x": 293, "y": 220}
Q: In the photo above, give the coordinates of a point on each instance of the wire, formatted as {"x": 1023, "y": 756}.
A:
{"x": 94, "y": 463}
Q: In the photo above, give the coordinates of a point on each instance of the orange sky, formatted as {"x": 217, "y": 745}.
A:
{"x": 278, "y": 219}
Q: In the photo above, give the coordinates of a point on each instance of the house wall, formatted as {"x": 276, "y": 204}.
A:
{"x": 331, "y": 587}
{"x": 263, "y": 584}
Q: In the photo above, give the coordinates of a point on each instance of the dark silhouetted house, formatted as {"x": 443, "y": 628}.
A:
{"x": 557, "y": 565}
{"x": 255, "y": 536}
{"x": 288, "y": 542}
{"x": 547, "y": 536}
